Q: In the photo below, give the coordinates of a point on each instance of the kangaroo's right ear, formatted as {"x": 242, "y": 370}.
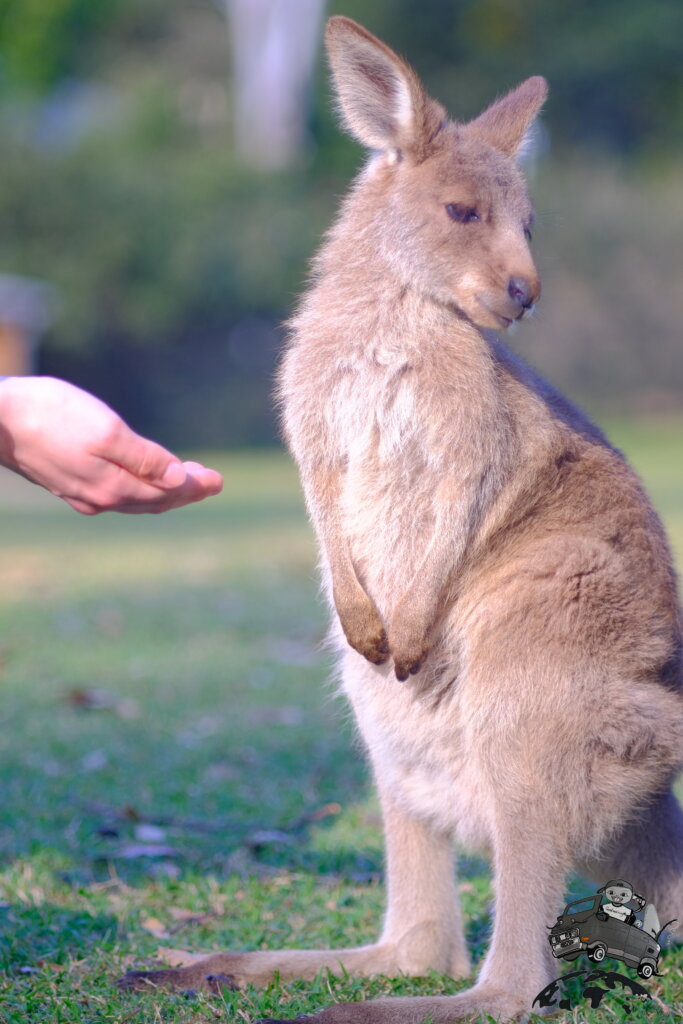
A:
{"x": 382, "y": 101}
{"x": 506, "y": 124}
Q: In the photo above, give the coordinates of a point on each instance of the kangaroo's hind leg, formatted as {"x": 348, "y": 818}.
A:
{"x": 423, "y": 923}
{"x": 529, "y": 868}
{"x": 422, "y": 929}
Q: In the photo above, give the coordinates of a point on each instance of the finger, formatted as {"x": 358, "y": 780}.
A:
{"x": 86, "y": 508}
{"x": 207, "y": 479}
{"x": 199, "y": 484}
{"x": 111, "y": 487}
{"x": 143, "y": 458}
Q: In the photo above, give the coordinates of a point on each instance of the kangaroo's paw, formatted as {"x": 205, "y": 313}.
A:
{"x": 365, "y": 630}
{"x": 409, "y": 653}
{"x": 408, "y": 663}
{"x": 409, "y": 640}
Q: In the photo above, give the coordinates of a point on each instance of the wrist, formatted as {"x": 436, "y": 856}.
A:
{"x": 6, "y": 439}
{"x": 14, "y": 392}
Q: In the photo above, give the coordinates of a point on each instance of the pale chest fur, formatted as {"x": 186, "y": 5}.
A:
{"x": 376, "y": 417}
{"x": 422, "y": 750}
{"x": 386, "y": 504}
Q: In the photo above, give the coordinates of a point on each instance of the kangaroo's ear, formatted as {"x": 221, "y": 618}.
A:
{"x": 383, "y": 104}
{"x": 507, "y": 124}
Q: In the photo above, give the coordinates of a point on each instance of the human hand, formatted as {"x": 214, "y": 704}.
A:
{"x": 71, "y": 443}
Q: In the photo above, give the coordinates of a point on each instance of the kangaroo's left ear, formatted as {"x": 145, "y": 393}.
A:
{"x": 507, "y": 123}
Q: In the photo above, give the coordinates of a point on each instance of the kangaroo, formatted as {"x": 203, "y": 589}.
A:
{"x": 504, "y": 602}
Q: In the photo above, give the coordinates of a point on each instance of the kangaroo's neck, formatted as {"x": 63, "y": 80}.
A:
{"x": 377, "y": 314}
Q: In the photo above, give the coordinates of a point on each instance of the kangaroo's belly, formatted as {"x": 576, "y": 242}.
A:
{"x": 420, "y": 750}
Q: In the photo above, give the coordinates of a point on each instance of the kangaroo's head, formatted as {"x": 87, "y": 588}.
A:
{"x": 447, "y": 201}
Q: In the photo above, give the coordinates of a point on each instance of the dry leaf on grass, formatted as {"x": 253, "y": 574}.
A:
{"x": 180, "y": 914}
{"x": 95, "y": 699}
{"x": 188, "y": 917}
{"x": 155, "y": 927}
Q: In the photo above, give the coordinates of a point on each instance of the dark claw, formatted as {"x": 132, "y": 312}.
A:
{"x": 216, "y": 982}
{"x": 272, "y": 1020}
{"x": 134, "y": 979}
{"x": 404, "y": 670}
{"x": 376, "y": 652}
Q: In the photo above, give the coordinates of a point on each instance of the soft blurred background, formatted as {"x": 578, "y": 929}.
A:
{"x": 172, "y": 768}
{"x": 167, "y": 167}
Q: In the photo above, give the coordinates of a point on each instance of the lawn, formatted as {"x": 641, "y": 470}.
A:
{"x": 175, "y": 769}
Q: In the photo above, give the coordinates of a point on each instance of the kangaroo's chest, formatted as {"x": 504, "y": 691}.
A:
{"x": 386, "y": 502}
{"x": 372, "y": 412}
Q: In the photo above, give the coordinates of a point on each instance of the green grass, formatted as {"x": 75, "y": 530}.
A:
{"x": 164, "y": 685}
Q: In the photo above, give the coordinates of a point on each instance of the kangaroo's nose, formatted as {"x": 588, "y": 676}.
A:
{"x": 522, "y": 292}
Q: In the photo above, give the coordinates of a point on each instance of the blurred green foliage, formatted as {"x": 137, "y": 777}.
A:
{"x": 615, "y": 66}
{"x": 175, "y": 265}
{"x": 44, "y": 40}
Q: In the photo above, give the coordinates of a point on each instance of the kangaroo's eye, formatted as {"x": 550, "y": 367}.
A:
{"x": 527, "y": 234}
{"x": 461, "y": 214}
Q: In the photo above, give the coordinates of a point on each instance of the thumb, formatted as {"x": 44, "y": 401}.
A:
{"x": 145, "y": 459}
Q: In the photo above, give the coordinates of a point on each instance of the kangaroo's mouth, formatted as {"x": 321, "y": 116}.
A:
{"x": 499, "y": 316}
{"x": 494, "y": 309}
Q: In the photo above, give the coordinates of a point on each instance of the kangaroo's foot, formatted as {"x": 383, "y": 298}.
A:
{"x": 481, "y": 1002}
{"x": 237, "y": 970}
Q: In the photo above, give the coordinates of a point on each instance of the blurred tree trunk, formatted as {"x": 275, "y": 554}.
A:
{"x": 274, "y": 46}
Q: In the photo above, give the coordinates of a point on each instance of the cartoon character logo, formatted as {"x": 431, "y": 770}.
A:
{"x": 610, "y": 929}
{"x": 625, "y": 927}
